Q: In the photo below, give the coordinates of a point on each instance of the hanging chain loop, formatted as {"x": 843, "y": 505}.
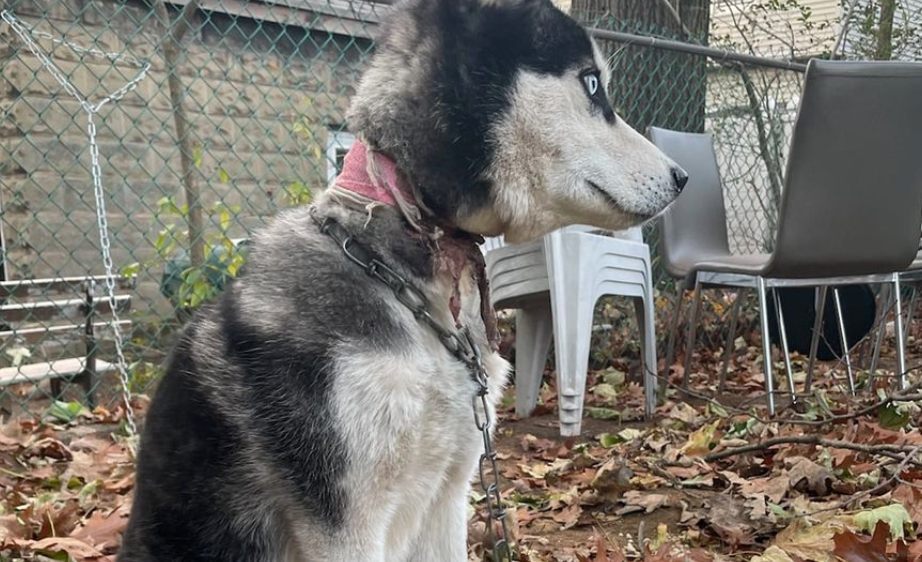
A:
{"x": 28, "y": 37}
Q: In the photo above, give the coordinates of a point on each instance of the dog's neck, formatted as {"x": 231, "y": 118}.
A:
{"x": 371, "y": 179}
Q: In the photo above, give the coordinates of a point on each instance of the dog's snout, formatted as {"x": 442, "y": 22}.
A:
{"x": 680, "y": 177}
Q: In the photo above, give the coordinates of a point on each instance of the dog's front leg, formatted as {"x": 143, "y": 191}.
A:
{"x": 443, "y": 536}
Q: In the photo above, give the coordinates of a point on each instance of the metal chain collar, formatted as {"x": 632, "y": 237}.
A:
{"x": 28, "y": 35}
{"x": 461, "y": 346}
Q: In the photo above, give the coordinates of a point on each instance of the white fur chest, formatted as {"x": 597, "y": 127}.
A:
{"x": 447, "y": 425}
{"x": 406, "y": 415}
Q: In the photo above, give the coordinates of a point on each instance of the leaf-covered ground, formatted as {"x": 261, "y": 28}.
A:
{"x": 833, "y": 478}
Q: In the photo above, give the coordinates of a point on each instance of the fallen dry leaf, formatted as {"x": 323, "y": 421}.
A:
{"x": 59, "y": 521}
{"x": 569, "y": 516}
{"x": 911, "y": 552}
{"x": 772, "y": 487}
{"x": 48, "y": 448}
{"x": 701, "y": 441}
{"x": 802, "y": 472}
{"x": 55, "y": 545}
{"x": 104, "y": 531}
{"x": 811, "y": 543}
{"x": 12, "y": 526}
{"x": 911, "y": 498}
{"x": 851, "y": 548}
{"x": 773, "y": 554}
{"x": 726, "y": 515}
{"x": 612, "y": 477}
{"x": 639, "y": 501}
{"x": 9, "y": 444}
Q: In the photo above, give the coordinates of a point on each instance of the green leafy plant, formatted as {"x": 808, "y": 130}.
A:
{"x": 297, "y": 193}
{"x": 186, "y": 284}
{"x": 224, "y": 257}
{"x": 143, "y": 374}
{"x": 66, "y": 412}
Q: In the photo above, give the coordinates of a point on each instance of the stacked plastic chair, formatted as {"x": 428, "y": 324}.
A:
{"x": 554, "y": 284}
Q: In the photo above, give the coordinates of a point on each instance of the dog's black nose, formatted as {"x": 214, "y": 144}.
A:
{"x": 680, "y": 177}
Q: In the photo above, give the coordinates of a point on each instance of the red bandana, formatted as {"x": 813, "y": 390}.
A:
{"x": 354, "y": 177}
{"x": 453, "y": 250}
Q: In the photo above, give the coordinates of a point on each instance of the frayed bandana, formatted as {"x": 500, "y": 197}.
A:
{"x": 371, "y": 179}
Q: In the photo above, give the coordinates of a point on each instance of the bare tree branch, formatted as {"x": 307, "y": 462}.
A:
{"x": 172, "y": 36}
{"x": 846, "y": 23}
{"x": 678, "y": 19}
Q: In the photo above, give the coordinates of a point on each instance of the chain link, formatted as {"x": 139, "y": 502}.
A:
{"x": 462, "y": 347}
{"x": 27, "y": 36}
{"x": 106, "y": 247}
{"x": 502, "y": 548}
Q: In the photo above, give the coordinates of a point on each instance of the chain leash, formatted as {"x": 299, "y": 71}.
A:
{"x": 28, "y": 36}
{"x": 461, "y": 346}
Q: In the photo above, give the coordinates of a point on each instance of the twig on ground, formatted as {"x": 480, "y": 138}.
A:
{"x": 906, "y": 395}
{"x": 662, "y": 473}
{"x": 894, "y": 478}
{"x": 886, "y": 449}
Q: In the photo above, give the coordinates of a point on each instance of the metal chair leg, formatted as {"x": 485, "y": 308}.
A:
{"x": 910, "y": 313}
{"x": 884, "y": 299}
{"x": 670, "y": 345}
{"x": 845, "y": 350}
{"x": 784, "y": 345}
{"x": 766, "y": 346}
{"x": 692, "y": 332}
{"x": 844, "y": 341}
{"x": 674, "y": 328}
{"x": 900, "y": 342}
{"x": 820, "y": 309}
{"x": 731, "y": 337}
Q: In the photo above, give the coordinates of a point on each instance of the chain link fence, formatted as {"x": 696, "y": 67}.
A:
{"x": 241, "y": 114}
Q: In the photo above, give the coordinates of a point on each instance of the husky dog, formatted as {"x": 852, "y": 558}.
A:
{"x": 309, "y": 415}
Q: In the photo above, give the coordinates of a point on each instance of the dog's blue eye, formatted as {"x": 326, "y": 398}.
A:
{"x": 591, "y": 82}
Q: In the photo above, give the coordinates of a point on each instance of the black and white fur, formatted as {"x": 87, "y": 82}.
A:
{"x": 308, "y": 416}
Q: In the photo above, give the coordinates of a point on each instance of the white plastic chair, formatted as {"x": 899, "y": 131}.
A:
{"x": 554, "y": 284}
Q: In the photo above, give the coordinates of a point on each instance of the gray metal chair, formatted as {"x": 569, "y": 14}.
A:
{"x": 694, "y": 230}
{"x": 850, "y": 205}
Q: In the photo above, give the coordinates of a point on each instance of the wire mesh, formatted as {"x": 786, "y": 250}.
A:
{"x": 242, "y": 114}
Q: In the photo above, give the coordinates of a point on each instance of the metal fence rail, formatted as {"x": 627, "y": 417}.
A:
{"x": 241, "y": 114}
{"x": 718, "y": 55}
